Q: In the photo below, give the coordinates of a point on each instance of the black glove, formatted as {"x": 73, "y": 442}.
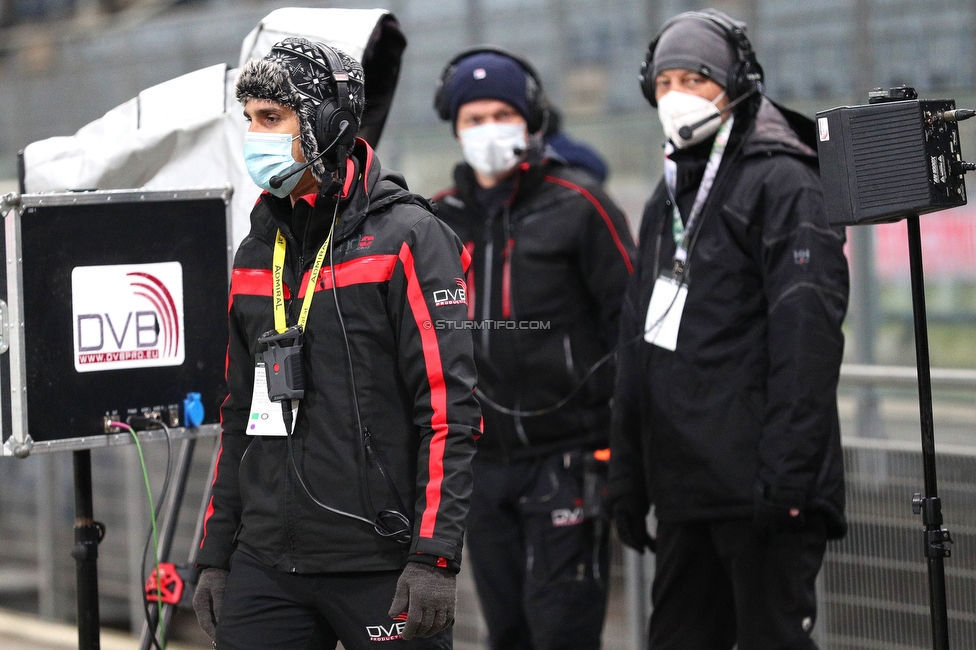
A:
{"x": 631, "y": 521}
{"x": 208, "y": 597}
{"x": 428, "y": 594}
{"x": 778, "y": 509}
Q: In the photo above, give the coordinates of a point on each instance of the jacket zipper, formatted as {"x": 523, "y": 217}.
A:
{"x": 568, "y": 351}
{"x": 486, "y": 296}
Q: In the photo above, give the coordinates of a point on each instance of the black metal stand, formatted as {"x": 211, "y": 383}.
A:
{"x": 88, "y": 534}
{"x": 938, "y": 543}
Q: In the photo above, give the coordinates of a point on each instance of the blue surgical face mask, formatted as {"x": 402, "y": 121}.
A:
{"x": 267, "y": 155}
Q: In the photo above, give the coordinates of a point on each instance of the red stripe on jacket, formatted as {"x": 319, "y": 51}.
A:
{"x": 438, "y": 393}
{"x": 252, "y": 282}
{"x": 363, "y": 270}
{"x": 603, "y": 213}
{"x": 467, "y": 260}
{"x": 440, "y": 195}
{"x": 210, "y": 506}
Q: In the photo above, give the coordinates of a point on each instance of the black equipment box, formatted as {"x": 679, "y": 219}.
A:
{"x": 886, "y": 161}
{"x": 114, "y": 304}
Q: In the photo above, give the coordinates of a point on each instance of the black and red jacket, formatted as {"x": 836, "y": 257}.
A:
{"x": 544, "y": 293}
{"x": 413, "y": 384}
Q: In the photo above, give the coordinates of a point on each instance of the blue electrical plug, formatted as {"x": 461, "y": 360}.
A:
{"x": 192, "y": 410}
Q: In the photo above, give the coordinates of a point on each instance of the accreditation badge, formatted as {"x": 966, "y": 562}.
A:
{"x": 265, "y": 418}
{"x": 664, "y": 312}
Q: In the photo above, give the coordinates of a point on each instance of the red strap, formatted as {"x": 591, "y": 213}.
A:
{"x": 603, "y": 213}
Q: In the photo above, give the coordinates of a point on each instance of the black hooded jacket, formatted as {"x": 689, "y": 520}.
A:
{"x": 413, "y": 386}
{"x": 745, "y": 407}
{"x": 544, "y": 291}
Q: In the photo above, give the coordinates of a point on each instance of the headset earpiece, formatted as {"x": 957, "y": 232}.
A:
{"x": 334, "y": 111}
{"x": 745, "y": 75}
{"x": 646, "y": 75}
{"x": 535, "y": 98}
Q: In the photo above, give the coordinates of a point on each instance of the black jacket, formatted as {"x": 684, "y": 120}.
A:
{"x": 745, "y": 409}
{"x": 549, "y": 272}
{"x": 413, "y": 383}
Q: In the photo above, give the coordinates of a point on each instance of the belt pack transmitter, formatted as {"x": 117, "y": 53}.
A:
{"x": 114, "y": 305}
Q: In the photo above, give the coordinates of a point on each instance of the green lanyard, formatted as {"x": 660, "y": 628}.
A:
{"x": 678, "y": 229}
{"x": 278, "y": 268}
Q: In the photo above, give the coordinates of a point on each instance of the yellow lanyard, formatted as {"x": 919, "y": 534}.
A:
{"x": 278, "y": 268}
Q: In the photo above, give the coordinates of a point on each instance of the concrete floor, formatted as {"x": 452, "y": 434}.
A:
{"x": 24, "y": 632}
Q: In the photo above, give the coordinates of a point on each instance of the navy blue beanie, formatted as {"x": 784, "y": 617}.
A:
{"x": 488, "y": 75}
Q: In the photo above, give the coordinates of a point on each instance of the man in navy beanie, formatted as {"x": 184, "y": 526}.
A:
{"x": 551, "y": 257}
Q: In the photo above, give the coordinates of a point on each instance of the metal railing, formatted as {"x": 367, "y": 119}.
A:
{"x": 872, "y": 587}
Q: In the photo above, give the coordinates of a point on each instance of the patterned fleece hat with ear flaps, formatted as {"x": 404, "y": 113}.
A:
{"x": 297, "y": 74}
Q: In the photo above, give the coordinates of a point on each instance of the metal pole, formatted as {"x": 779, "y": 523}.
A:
{"x": 635, "y": 596}
{"x": 474, "y": 22}
{"x": 937, "y": 539}
{"x": 88, "y": 533}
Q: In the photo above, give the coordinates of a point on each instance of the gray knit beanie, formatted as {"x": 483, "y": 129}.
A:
{"x": 691, "y": 41}
{"x": 296, "y": 74}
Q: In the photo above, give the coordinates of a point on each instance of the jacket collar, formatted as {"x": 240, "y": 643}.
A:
{"x": 528, "y": 176}
{"x": 779, "y": 130}
{"x": 367, "y": 188}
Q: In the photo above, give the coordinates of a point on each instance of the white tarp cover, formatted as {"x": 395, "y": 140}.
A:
{"x": 145, "y": 144}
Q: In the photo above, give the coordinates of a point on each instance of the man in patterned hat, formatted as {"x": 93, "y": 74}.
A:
{"x": 343, "y": 481}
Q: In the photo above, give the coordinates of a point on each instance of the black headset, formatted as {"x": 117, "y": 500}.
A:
{"x": 534, "y": 97}
{"x": 333, "y": 111}
{"x": 745, "y": 76}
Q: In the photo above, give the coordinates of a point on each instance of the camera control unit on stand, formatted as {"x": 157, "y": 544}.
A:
{"x": 896, "y": 158}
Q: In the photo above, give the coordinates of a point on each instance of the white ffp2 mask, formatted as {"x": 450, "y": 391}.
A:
{"x": 677, "y": 109}
{"x": 493, "y": 148}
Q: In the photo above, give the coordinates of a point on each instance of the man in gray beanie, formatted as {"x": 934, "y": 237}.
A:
{"x": 725, "y": 409}
{"x": 344, "y": 519}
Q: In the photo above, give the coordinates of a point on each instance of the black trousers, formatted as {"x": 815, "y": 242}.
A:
{"x": 540, "y": 566}
{"x": 266, "y": 609}
{"x": 719, "y": 583}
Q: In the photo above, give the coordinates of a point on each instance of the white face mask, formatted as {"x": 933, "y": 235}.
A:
{"x": 677, "y": 109}
{"x": 491, "y": 148}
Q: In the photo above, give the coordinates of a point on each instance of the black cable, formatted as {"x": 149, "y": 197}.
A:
{"x": 383, "y": 529}
{"x": 593, "y": 368}
{"x": 403, "y": 534}
{"x": 504, "y": 410}
{"x": 146, "y": 606}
